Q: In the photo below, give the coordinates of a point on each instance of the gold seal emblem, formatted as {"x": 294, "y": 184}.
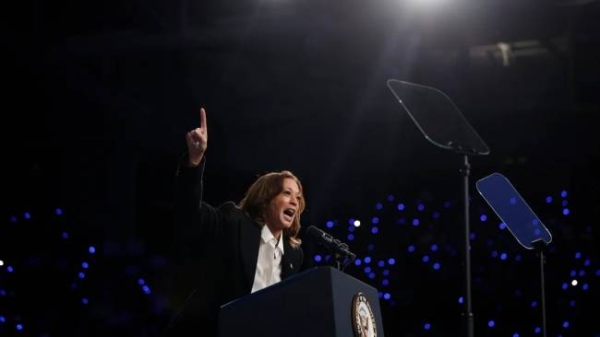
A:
{"x": 362, "y": 317}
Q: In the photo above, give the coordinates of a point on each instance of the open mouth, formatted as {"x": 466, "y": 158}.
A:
{"x": 289, "y": 213}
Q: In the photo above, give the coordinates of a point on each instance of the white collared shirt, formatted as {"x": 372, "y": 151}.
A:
{"x": 268, "y": 265}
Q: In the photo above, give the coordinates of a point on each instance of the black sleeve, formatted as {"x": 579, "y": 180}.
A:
{"x": 195, "y": 220}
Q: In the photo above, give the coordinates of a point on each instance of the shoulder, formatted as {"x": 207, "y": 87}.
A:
{"x": 230, "y": 210}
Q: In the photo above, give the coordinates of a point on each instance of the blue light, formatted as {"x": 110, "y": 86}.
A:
{"x": 367, "y": 259}
{"x": 585, "y": 286}
{"x": 472, "y": 236}
{"x": 425, "y": 258}
{"x": 578, "y": 255}
{"x": 537, "y": 232}
{"x": 374, "y": 230}
{"x": 566, "y": 211}
{"x": 385, "y": 282}
{"x": 515, "y": 335}
{"x": 483, "y": 218}
{"x": 146, "y": 290}
{"x": 434, "y": 247}
{"x": 351, "y": 221}
{"x": 375, "y": 220}
{"x": 573, "y": 273}
{"x": 27, "y": 215}
{"x": 534, "y": 304}
{"x": 387, "y": 296}
{"x": 436, "y": 215}
{"x": 513, "y": 200}
{"x": 390, "y": 197}
{"x": 329, "y": 224}
{"x": 415, "y": 222}
{"x": 420, "y": 207}
{"x": 92, "y": 249}
{"x": 391, "y": 261}
{"x": 518, "y": 257}
{"x": 598, "y": 272}
{"x": 411, "y": 249}
{"x": 350, "y": 237}
{"x": 436, "y": 266}
{"x": 494, "y": 254}
{"x": 400, "y": 207}
{"x": 586, "y": 263}
{"x": 378, "y": 206}
{"x": 367, "y": 270}
{"x": 84, "y": 265}
{"x": 372, "y": 276}
{"x": 318, "y": 258}
{"x": 427, "y": 326}
{"x": 357, "y": 262}
{"x": 381, "y": 263}
{"x": 537, "y": 329}
{"x": 491, "y": 323}
{"x": 565, "y": 286}
{"x": 564, "y": 203}
{"x": 351, "y": 228}
{"x": 565, "y": 324}
{"x": 2, "y": 319}
{"x": 2, "y": 292}
{"x": 502, "y": 226}
{"x": 13, "y": 219}
{"x": 386, "y": 272}
{"x": 81, "y": 275}
{"x": 65, "y": 235}
{"x": 58, "y": 211}
{"x": 142, "y": 282}
{"x": 548, "y": 200}
{"x": 461, "y": 300}
{"x": 19, "y": 327}
{"x": 563, "y": 194}
{"x": 85, "y": 300}
{"x": 503, "y": 256}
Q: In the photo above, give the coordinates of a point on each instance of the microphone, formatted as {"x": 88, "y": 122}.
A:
{"x": 334, "y": 245}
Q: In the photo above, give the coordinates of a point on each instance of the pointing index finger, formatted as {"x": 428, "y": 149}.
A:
{"x": 203, "y": 119}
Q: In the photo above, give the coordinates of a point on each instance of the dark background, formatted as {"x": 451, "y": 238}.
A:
{"x": 98, "y": 97}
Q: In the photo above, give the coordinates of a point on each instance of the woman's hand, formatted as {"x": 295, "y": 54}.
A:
{"x": 197, "y": 141}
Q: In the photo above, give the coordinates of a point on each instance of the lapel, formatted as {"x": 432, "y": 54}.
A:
{"x": 249, "y": 243}
{"x": 287, "y": 260}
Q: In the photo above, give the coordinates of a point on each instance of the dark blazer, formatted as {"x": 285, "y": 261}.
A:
{"x": 219, "y": 246}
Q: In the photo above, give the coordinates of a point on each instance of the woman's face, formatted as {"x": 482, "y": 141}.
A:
{"x": 283, "y": 208}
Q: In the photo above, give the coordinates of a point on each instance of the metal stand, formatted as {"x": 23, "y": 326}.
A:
{"x": 466, "y": 171}
{"x": 539, "y": 246}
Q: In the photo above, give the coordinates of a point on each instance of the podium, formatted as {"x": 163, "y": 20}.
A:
{"x": 321, "y": 301}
